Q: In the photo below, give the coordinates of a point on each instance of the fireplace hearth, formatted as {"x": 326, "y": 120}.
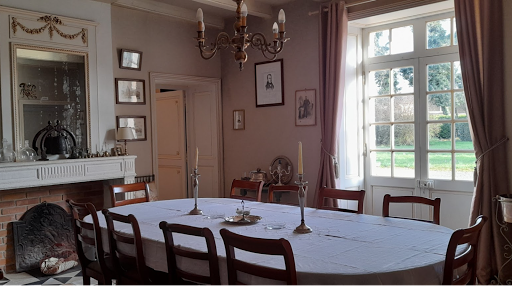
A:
{"x": 43, "y": 231}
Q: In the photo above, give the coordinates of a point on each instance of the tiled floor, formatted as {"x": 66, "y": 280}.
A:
{"x": 72, "y": 276}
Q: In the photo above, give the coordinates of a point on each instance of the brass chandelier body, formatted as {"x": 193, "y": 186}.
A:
{"x": 241, "y": 40}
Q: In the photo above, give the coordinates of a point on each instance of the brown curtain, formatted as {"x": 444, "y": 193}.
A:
{"x": 480, "y": 36}
{"x": 333, "y": 45}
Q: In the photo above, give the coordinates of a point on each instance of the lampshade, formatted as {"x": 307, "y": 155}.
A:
{"x": 125, "y": 133}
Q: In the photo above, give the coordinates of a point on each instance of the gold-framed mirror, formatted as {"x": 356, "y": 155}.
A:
{"x": 50, "y": 85}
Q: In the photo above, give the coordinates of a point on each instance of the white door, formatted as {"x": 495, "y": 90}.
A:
{"x": 171, "y": 138}
{"x": 203, "y": 126}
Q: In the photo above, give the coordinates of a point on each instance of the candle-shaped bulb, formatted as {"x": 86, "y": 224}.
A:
{"x": 199, "y": 15}
{"x": 244, "y": 10}
{"x": 281, "y": 17}
{"x": 275, "y": 29}
{"x": 197, "y": 156}
{"x": 301, "y": 170}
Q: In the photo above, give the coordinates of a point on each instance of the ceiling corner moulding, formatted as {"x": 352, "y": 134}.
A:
{"x": 168, "y": 10}
{"x": 257, "y": 8}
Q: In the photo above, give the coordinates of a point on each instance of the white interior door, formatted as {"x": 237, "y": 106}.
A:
{"x": 203, "y": 129}
{"x": 171, "y": 138}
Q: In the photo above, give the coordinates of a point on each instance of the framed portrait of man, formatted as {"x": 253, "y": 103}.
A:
{"x": 269, "y": 83}
{"x": 305, "y": 107}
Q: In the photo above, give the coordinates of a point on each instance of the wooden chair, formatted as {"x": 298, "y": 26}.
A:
{"x": 435, "y": 203}
{"x": 88, "y": 236}
{"x": 324, "y": 193}
{"x": 262, "y": 246}
{"x": 280, "y": 189}
{"x": 126, "y": 251}
{"x": 470, "y": 237}
{"x": 129, "y": 189}
{"x": 177, "y": 275}
{"x": 246, "y": 185}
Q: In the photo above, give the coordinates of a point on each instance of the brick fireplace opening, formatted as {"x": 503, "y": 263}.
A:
{"x": 14, "y": 203}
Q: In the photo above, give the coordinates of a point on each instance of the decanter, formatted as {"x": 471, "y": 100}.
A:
{"x": 26, "y": 154}
{"x": 6, "y": 153}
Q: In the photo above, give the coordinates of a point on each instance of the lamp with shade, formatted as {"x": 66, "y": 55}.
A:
{"x": 125, "y": 133}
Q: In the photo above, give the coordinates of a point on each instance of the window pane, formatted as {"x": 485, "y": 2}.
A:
{"x": 381, "y": 136}
{"x": 440, "y": 166}
{"x": 404, "y": 164}
{"x": 457, "y": 75}
{"x": 455, "y": 40}
{"x": 380, "y": 109}
{"x": 381, "y": 163}
{"x": 403, "y": 108}
{"x": 463, "y": 137}
{"x": 402, "y": 40}
{"x": 439, "y": 106}
{"x": 404, "y": 136}
{"x": 438, "y": 34}
{"x": 460, "y": 106}
{"x": 379, "y": 82}
{"x": 379, "y": 44}
{"x": 440, "y": 136}
{"x": 439, "y": 76}
{"x": 464, "y": 165}
{"x": 403, "y": 80}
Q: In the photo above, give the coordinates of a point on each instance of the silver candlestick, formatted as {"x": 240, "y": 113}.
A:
{"x": 302, "y": 228}
{"x": 195, "y": 184}
{"x": 280, "y": 172}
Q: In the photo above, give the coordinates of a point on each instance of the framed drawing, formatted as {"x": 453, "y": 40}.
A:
{"x": 269, "y": 83}
{"x": 130, "y": 91}
{"x": 138, "y": 123}
{"x": 305, "y": 107}
{"x": 239, "y": 119}
{"x": 131, "y": 60}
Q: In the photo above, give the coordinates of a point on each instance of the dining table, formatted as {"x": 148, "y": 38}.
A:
{"x": 343, "y": 248}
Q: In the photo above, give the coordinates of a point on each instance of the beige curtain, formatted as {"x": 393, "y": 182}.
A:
{"x": 480, "y": 36}
{"x": 333, "y": 45}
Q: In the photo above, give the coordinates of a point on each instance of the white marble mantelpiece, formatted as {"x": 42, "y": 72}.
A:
{"x": 45, "y": 173}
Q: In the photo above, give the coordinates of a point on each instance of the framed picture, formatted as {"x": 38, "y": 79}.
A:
{"x": 239, "y": 119}
{"x": 130, "y": 91}
{"x": 138, "y": 123}
{"x": 305, "y": 107}
{"x": 130, "y": 60}
{"x": 269, "y": 83}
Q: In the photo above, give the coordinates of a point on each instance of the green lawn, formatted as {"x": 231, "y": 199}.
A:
{"x": 438, "y": 161}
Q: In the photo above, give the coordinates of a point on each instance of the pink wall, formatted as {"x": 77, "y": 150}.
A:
{"x": 271, "y": 131}
{"x": 168, "y": 46}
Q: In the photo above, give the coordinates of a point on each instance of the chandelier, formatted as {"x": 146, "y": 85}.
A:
{"x": 241, "y": 40}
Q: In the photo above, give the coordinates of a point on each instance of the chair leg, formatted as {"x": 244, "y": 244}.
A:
{"x": 86, "y": 279}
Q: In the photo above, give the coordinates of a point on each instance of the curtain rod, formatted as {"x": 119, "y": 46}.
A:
{"x": 354, "y": 3}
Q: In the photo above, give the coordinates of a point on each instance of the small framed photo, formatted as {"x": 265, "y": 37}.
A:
{"x": 130, "y": 91}
{"x": 305, "y": 107}
{"x": 138, "y": 123}
{"x": 269, "y": 83}
{"x": 130, "y": 59}
{"x": 239, "y": 119}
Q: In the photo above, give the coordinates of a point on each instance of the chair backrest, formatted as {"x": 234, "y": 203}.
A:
{"x": 273, "y": 189}
{"x": 330, "y": 193}
{"x": 87, "y": 235}
{"x": 246, "y": 185}
{"x": 470, "y": 237}
{"x": 435, "y": 203}
{"x": 126, "y": 250}
{"x": 175, "y": 273}
{"x": 129, "y": 191}
{"x": 262, "y": 246}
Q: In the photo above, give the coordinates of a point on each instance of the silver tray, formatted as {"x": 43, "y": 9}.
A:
{"x": 237, "y": 219}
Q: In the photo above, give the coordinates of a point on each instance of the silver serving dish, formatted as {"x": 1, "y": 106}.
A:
{"x": 239, "y": 219}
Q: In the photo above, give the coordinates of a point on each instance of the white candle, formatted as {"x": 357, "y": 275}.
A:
{"x": 197, "y": 156}
{"x": 301, "y": 170}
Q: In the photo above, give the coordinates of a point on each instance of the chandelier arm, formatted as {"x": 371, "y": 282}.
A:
{"x": 221, "y": 42}
{"x": 269, "y": 50}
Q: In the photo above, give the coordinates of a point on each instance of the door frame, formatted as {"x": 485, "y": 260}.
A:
{"x": 185, "y": 82}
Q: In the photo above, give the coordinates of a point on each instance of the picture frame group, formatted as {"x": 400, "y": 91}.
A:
{"x": 137, "y": 122}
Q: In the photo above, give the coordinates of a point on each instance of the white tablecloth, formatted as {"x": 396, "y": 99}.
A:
{"x": 343, "y": 248}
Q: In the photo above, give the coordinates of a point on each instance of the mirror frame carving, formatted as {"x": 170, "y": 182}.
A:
{"x": 15, "y": 101}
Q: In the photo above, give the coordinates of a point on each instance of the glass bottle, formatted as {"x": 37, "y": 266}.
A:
{"x": 8, "y": 154}
{"x": 26, "y": 154}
